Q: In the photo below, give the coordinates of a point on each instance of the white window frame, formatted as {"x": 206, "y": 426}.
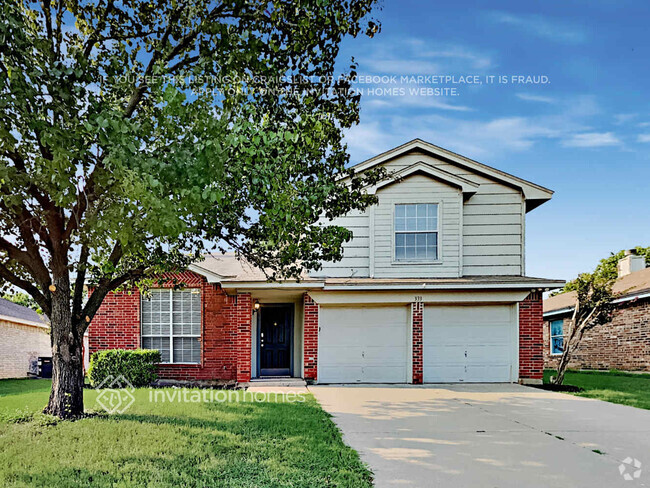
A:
{"x": 438, "y": 233}
{"x": 551, "y": 336}
{"x": 171, "y": 328}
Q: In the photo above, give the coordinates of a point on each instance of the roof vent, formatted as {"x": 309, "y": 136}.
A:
{"x": 630, "y": 263}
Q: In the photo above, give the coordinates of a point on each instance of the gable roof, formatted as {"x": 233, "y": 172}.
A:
{"x": 629, "y": 286}
{"x": 12, "y": 312}
{"x": 534, "y": 194}
{"x": 467, "y": 187}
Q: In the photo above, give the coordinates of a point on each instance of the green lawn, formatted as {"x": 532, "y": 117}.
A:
{"x": 611, "y": 386}
{"x": 237, "y": 443}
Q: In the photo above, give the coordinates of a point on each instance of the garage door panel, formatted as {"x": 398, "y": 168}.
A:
{"x": 363, "y": 345}
{"x": 469, "y": 343}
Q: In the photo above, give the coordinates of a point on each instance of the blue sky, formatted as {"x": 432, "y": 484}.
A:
{"x": 584, "y": 134}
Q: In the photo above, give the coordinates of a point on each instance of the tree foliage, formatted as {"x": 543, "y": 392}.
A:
{"x": 607, "y": 267}
{"x": 593, "y": 307}
{"x": 132, "y": 133}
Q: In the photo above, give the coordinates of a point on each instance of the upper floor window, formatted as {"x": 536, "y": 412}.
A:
{"x": 171, "y": 323}
{"x": 557, "y": 336}
{"x": 416, "y": 232}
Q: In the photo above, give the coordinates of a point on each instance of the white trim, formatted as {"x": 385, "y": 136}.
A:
{"x": 16, "y": 320}
{"x": 466, "y": 186}
{"x": 405, "y": 297}
{"x": 529, "y": 189}
{"x": 171, "y": 328}
{"x": 211, "y": 276}
{"x": 442, "y": 286}
{"x": 416, "y": 262}
{"x": 255, "y": 285}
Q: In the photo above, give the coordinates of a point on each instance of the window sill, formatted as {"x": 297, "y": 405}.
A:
{"x": 179, "y": 364}
{"x": 412, "y": 263}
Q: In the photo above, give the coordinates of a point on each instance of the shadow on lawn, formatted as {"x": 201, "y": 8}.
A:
{"x": 222, "y": 444}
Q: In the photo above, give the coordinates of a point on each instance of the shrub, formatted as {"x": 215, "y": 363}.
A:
{"x": 137, "y": 366}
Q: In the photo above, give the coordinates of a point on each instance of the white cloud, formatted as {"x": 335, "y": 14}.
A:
{"x": 551, "y": 29}
{"x": 535, "y": 98}
{"x": 592, "y": 139}
{"x": 416, "y": 56}
{"x": 644, "y": 138}
{"x": 472, "y": 138}
{"x": 622, "y": 118}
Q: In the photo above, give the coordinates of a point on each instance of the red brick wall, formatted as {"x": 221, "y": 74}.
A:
{"x": 116, "y": 324}
{"x": 623, "y": 344}
{"x": 417, "y": 309}
{"x": 225, "y": 336}
{"x": 241, "y": 316}
{"x": 310, "y": 347}
{"x": 531, "y": 338}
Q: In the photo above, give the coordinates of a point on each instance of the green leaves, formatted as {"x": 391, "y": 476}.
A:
{"x": 160, "y": 129}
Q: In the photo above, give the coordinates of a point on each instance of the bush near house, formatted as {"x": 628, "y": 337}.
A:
{"x": 138, "y": 367}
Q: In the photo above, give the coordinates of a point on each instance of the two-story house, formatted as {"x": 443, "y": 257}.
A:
{"x": 431, "y": 289}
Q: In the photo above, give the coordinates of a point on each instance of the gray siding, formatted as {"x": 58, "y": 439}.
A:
{"x": 483, "y": 235}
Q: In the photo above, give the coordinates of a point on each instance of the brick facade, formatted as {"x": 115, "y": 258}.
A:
{"x": 225, "y": 335}
{"x": 226, "y": 352}
{"x": 310, "y": 347}
{"x": 20, "y": 347}
{"x": 623, "y": 344}
{"x": 417, "y": 312}
{"x": 531, "y": 339}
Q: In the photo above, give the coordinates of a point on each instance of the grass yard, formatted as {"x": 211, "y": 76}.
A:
{"x": 611, "y": 386}
{"x": 238, "y": 443}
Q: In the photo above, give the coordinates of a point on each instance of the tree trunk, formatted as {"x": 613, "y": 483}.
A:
{"x": 562, "y": 366}
{"x": 66, "y": 397}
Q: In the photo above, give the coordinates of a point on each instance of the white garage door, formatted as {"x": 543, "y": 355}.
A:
{"x": 469, "y": 344}
{"x": 363, "y": 345}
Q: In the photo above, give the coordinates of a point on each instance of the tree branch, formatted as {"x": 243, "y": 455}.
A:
{"x": 43, "y": 301}
{"x": 79, "y": 281}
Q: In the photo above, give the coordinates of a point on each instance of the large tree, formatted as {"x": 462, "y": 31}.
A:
{"x": 133, "y": 132}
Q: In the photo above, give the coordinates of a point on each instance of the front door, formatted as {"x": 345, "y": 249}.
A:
{"x": 276, "y": 330}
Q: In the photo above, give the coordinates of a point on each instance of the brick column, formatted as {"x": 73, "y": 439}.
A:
{"x": 243, "y": 312}
{"x": 417, "y": 309}
{"x": 531, "y": 339}
{"x": 310, "y": 346}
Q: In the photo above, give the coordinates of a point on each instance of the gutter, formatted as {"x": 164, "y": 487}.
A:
{"x": 441, "y": 286}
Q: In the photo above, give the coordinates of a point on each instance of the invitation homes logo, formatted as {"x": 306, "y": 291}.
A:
{"x": 115, "y": 394}
{"x": 630, "y": 469}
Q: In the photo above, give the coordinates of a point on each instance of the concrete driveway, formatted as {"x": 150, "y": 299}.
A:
{"x": 489, "y": 436}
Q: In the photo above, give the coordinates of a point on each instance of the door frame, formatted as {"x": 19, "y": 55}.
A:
{"x": 291, "y": 309}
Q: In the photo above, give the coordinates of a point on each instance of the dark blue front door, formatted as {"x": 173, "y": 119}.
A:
{"x": 276, "y": 329}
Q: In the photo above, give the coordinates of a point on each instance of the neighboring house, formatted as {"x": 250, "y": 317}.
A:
{"x": 430, "y": 289}
{"x": 623, "y": 343}
{"x": 24, "y": 336}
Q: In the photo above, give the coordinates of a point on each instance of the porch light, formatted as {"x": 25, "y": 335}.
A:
{"x": 256, "y": 305}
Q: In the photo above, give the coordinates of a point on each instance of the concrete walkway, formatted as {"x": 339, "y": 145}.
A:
{"x": 489, "y": 436}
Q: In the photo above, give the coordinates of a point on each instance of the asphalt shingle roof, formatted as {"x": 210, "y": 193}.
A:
{"x": 10, "y": 309}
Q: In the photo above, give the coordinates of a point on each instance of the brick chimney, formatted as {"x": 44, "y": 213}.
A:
{"x": 630, "y": 263}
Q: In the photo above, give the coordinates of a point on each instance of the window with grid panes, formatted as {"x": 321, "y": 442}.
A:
{"x": 416, "y": 232}
{"x": 171, "y": 323}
